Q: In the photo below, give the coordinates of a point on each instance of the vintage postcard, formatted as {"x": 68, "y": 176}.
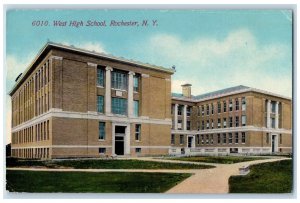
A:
{"x": 169, "y": 101}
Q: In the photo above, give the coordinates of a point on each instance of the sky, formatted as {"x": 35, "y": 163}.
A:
{"x": 211, "y": 49}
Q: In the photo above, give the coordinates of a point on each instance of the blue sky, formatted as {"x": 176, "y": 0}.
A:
{"x": 212, "y": 49}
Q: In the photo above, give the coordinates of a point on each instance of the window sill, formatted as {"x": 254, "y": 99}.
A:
{"x": 101, "y": 140}
{"x": 100, "y": 86}
{"x": 119, "y": 90}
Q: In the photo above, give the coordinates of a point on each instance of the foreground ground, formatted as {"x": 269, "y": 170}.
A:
{"x": 108, "y": 182}
{"x": 276, "y": 177}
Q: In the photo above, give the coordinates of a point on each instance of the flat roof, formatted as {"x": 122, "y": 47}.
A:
{"x": 50, "y": 45}
{"x": 224, "y": 92}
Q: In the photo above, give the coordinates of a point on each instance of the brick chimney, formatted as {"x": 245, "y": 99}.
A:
{"x": 186, "y": 90}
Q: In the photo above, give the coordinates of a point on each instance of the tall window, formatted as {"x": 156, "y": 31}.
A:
{"x": 236, "y": 138}
{"x": 219, "y": 107}
{"x": 202, "y": 125}
{"x": 199, "y": 110}
{"x": 135, "y": 83}
{"x": 243, "y": 137}
{"x": 207, "y": 139}
{"x": 212, "y": 123}
{"x": 230, "y": 104}
{"x": 202, "y": 139}
{"x": 219, "y": 123}
{"x": 273, "y": 104}
{"x": 179, "y": 112}
{"x": 224, "y": 138}
{"x": 207, "y": 124}
{"x": 172, "y": 139}
{"x": 219, "y": 138}
{"x": 230, "y": 121}
{"x": 188, "y": 111}
{"x": 137, "y": 132}
{"x": 273, "y": 122}
{"x": 207, "y": 109}
{"x": 198, "y": 139}
{"x": 100, "y": 76}
{"x": 136, "y": 108}
{"x": 181, "y": 139}
{"x": 100, "y": 104}
{"x": 230, "y": 138}
{"x": 237, "y": 104}
{"x": 243, "y": 120}
{"x": 212, "y": 109}
{"x": 202, "y": 110}
{"x": 198, "y": 125}
{"x": 243, "y": 104}
{"x": 179, "y": 124}
{"x": 188, "y": 125}
{"x": 211, "y": 139}
{"x": 119, "y": 80}
{"x": 224, "y": 106}
{"x": 224, "y": 123}
{"x": 237, "y": 121}
{"x": 119, "y": 106}
{"x": 101, "y": 131}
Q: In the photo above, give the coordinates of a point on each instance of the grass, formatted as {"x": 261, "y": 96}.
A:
{"x": 218, "y": 159}
{"x": 92, "y": 182}
{"x": 104, "y": 164}
{"x": 273, "y": 177}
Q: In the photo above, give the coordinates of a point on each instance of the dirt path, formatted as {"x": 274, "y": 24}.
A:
{"x": 215, "y": 180}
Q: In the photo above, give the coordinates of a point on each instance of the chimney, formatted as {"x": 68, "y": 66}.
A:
{"x": 186, "y": 90}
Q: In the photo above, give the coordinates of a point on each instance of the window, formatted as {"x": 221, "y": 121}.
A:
{"x": 237, "y": 104}
{"x": 243, "y": 104}
{"x": 230, "y": 122}
{"x": 179, "y": 110}
{"x": 179, "y": 125}
{"x": 224, "y": 123}
{"x": 102, "y": 150}
{"x": 230, "y": 138}
{"x": 199, "y": 110}
{"x": 219, "y": 123}
{"x": 224, "y": 106}
{"x": 202, "y": 139}
{"x": 135, "y": 83}
{"x": 172, "y": 139}
{"x": 219, "y": 107}
{"x": 181, "y": 139}
{"x": 224, "y": 138}
{"x": 188, "y": 125}
{"x": 207, "y": 139}
{"x": 212, "y": 123}
{"x": 138, "y": 150}
{"x": 236, "y": 138}
{"x": 188, "y": 111}
{"x": 119, "y": 106}
{"x": 280, "y": 138}
{"x": 138, "y": 132}
{"x": 136, "y": 108}
{"x": 119, "y": 80}
{"x": 230, "y": 104}
{"x": 207, "y": 109}
{"x": 202, "y": 110}
{"x": 212, "y": 109}
{"x": 244, "y": 120}
{"x": 198, "y": 125}
{"x": 101, "y": 131}
{"x": 219, "y": 138}
{"x": 207, "y": 124}
{"x": 202, "y": 125}
{"x": 198, "y": 139}
{"x": 243, "y": 138}
{"x": 211, "y": 139}
{"x": 100, "y": 76}
{"x": 267, "y": 138}
{"x": 237, "y": 121}
{"x": 273, "y": 122}
{"x": 100, "y": 104}
{"x": 273, "y": 106}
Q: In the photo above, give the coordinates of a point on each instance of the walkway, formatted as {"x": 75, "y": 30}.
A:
{"x": 204, "y": 181}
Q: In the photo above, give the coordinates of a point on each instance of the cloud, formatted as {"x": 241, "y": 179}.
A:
{"x": 90, "y": 46}
{"x": 211, "y": 64}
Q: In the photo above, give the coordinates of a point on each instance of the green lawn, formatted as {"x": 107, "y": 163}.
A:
{"x": 218, "y": 159}
{"x": 275, "y": 177}
{"x": 104, "y": 164}
{"x": 108, "y": 182}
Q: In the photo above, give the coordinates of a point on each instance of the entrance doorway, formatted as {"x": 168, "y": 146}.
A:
{"x": 119, "y": 139}
{"x": 274, "y": 143}
{"x": 190, "y": 142}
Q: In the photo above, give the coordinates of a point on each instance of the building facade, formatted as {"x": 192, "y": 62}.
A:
{"x": 233, "y": 120}
{"x": 75, "y": 103}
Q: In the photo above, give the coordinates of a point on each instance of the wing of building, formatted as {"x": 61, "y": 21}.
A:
{"x": 76, "y": 103}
